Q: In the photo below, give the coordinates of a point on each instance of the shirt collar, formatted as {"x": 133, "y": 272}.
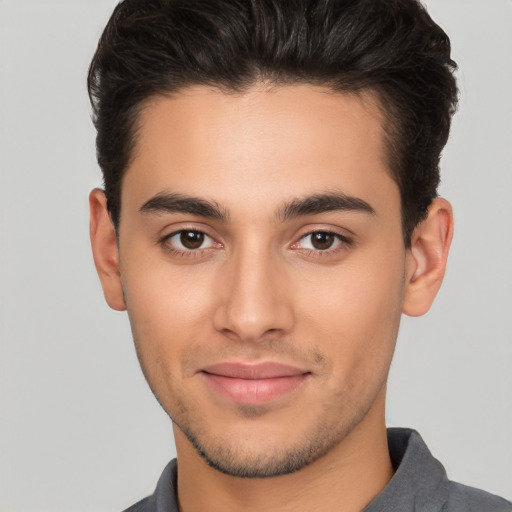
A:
{"x": 420, "y": 482}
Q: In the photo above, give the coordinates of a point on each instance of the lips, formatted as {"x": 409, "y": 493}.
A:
{"x": 254, "y": 384}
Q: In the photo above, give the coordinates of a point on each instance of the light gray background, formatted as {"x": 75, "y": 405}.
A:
{"x": 80, "y": 430}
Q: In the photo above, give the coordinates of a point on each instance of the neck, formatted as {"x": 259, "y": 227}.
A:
{"x": 345, "y": 479}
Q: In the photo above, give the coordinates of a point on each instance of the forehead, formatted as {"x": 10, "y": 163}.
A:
{"x": 262, "y": 145}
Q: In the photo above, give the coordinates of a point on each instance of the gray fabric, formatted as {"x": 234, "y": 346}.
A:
{"x": 419, "y": 484}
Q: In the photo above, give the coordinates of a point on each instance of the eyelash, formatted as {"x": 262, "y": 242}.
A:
{"x": 344, "y": 243}
{"x": 187, "y": 253}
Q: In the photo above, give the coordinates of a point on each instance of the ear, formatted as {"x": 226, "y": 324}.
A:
{"x": 105, "y": 250}
{"x": 426, "y": 258}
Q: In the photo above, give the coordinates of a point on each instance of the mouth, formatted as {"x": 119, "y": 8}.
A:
{"x": 254, "y": 384}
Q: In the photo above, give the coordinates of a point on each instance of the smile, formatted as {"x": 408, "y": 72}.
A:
{"x": 254, "y": 384}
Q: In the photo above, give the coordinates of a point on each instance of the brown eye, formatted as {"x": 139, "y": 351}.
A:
{"x": 322, "y": 241}
{"x": 189, "y": 242}
{"x": 192, "y": 239}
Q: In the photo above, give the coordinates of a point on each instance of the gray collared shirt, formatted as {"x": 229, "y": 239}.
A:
{"x": 419, "y": 484}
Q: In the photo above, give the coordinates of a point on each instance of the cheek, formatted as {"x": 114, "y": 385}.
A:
{"x": 353, "y": 313}
{"x": 169, "y": 309}
{"x": 169, "y": 313}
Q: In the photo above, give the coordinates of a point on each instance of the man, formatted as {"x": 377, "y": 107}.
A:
{"x": 270, "y": 210}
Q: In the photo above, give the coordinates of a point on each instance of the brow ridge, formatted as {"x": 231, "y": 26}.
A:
{"x": 323, "y": 203}
{"x": 166, "y": 202}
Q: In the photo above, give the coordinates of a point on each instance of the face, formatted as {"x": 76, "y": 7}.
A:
{"x": 262, "y": 265}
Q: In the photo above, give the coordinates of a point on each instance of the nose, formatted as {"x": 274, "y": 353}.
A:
{"x": 254, "y": 299}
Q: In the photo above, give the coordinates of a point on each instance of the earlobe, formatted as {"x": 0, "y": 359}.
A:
{"x": 427, "y": 257}
{"x": 105, "y": 250}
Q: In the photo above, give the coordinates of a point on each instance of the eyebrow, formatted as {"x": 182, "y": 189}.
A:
{"x": 310, "y": 205}
{"x": 178, "y": 203}
{"x": 323, "y": 203}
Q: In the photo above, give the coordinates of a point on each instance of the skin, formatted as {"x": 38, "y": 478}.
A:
{"x": 258, "y": 289}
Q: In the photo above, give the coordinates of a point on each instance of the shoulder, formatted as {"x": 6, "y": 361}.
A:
{"x": 468, "y": 499}
{"x": 420, "y": 482}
